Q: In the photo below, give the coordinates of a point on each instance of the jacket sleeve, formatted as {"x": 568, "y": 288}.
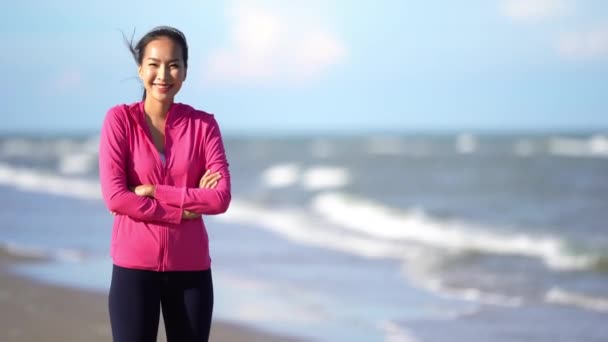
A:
{"x": 113, "y": 154}
{"x": 198, "y": 200}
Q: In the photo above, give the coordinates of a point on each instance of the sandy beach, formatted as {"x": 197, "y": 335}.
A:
{"x": 31, "y": 311}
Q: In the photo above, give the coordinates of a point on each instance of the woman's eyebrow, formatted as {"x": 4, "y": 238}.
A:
{"x": 158, "y": 60}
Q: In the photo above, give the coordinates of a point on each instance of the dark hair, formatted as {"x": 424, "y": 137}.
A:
{"x": 139, "y": 49}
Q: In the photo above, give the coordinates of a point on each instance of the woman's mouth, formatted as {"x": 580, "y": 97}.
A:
{"x": 162, "y": 87}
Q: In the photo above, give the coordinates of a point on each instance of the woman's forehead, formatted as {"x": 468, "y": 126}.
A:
{"x": 163, "y": 49}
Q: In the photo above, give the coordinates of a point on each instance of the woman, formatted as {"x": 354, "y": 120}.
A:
{"x": 162, "y": 165}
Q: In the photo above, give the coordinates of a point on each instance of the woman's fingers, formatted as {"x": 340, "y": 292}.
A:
{"x": 212, "y": 182}
{"x": 188, "y": 215}
{"x": 202, "y": 181}
{"x": 208, "y": 179}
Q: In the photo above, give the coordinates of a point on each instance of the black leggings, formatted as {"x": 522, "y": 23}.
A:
{"x": 136, "y": 298}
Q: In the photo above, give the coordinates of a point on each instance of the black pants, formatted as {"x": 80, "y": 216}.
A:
{"x": 136, "y": 298}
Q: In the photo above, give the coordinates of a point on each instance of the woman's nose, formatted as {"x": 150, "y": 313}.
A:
{"x": 162, "y": 73}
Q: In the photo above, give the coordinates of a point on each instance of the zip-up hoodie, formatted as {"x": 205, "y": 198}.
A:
{"x": 149, "y": 233}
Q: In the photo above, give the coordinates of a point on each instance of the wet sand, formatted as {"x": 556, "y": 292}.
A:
{"x": 31, "y": 311}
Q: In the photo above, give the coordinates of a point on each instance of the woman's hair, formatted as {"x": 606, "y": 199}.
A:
{"x": 172, "y": 33}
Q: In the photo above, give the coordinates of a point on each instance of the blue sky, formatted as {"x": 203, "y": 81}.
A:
{"x": 318, "y": 66}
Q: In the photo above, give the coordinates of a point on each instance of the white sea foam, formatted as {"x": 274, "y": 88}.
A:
{"x": 39, "y": 181}
{"x": 594, "y": 146}
{"x": 469, "y": 294}
{"x": 281, "y": 175}
{"x": 368, "y": 229}
{"x": 78, "y": 163}
{"x": 598, "y": 144}
{"x": 466, "y": 143}
{"x": 298, "y": 226}
{"x": 560, "y": 296}
{"x": 325, "y": 177}
{"x": 377, "y": 221}
{"x": 319, "y": 177}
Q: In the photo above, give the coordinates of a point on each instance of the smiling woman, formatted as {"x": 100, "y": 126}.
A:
{"x": 162, "y": 166}
{"x": 162, "y": 52}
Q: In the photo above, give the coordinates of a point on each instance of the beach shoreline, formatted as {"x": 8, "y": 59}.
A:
{"x": 35, "y": 311}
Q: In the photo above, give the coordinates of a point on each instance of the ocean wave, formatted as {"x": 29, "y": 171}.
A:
{"x": 40, "y": 181}
{"x": 36, "y": 147}
{"x": 594, "y": 146}
{"x": 281, "y": 175}
{"x": 325, "y": 177}
{"x": 560, "y": 296}
{"x": 380, "y": 222}
{"x": 466, "y": 143}
{"x": 41, "y": 253}
{"x": 77, "y": 163}
{"x": 319, "y": 177}
{"x": 298, "y": 226}
{"x": 469, "y": 294}
{"x": 362, "y": 227}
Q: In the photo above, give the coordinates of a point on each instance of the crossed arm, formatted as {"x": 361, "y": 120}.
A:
{"x": 161, "y": 203}
{"x": 208, "y": 181}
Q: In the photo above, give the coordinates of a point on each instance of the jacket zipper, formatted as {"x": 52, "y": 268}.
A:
{"x": 164, "y": 229}
{"x": 163, "y": 236}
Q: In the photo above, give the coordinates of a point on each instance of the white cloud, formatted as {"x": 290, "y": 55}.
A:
{"x": 589, "y": 45}
{"x": 274, "y": 45}
{"x": 530, "y": 10}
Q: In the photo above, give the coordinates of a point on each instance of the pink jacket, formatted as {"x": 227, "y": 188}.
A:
{"x": 149, "y": 233}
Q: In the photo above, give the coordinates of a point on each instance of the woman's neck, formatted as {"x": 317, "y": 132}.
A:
{"x": 156, "y": 110}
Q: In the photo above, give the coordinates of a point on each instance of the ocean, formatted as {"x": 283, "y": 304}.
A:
{"x": 411, "y": 237}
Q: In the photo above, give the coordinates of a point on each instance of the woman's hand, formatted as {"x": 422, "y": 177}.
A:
{"x": 209, "y": 180}
{"x": 188, "y": 215}
{"x": 145, "y": 190}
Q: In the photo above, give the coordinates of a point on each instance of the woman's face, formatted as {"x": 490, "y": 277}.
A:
{"x": 162, "y": 69}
